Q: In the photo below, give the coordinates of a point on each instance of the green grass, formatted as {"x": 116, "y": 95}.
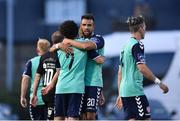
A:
{"x": 11, "y": 98}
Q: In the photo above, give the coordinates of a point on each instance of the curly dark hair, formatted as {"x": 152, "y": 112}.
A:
{"x": 135, "y": 23}
{"x": 57, "y": 37}
{"x": 69, "y": 29}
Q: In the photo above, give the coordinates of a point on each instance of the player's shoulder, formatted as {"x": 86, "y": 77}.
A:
{"x": 35, "y": 58}
{"x": 97, "y": 35}
{"x": 138, "y": 46}
{"x": 47, "y": 54}
{"x": 29, "y": 62}
{"x": 97, "y": 38}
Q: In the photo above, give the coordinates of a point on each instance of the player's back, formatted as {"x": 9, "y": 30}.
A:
{"x": 71, "y": 77}
{"x": 93, "y": 75}
{"x": 47, "y": 67}
{"x": 34, "y": 65}
{"x": 131, "y": 83}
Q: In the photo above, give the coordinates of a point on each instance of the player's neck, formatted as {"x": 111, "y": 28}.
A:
{"x": 136, "y": 36}
{"x": 42, "y": 52}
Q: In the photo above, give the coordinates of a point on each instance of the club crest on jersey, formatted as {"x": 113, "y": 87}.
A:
{"x": 141, "y": 57}
{"x": 97, "y": 35}
{"x": 148, "y": 109}
{"x": 44, "y": 65}
{"x": 94, "y": 39}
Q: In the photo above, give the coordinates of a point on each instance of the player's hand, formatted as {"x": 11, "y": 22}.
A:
{"x": 34, "y": 100}
{"x": 46, "y": 89}
{"x": 23, "y": 102}
{"x": 100, "y": 60}
{"x": 66, "y": 48}
{"x": 102, "y": 99}
{"x": 53, "y": 48}
{"x": 118, "y": 103}
{"x": 164, "y": 88}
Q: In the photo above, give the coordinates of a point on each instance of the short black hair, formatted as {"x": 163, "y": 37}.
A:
{"x": 57, "y": 37}
{"x": 87, "y": 16}
{"x": 135, "y": 23}
{"x": 69, "y": 29}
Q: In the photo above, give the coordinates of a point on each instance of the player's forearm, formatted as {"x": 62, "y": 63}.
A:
{"x": 24, "y": 86}
{"x": 55, "y": 78}
{"x": 146, "y": 72}
{"x": 36, "y": 83}
{"x": 119, "y": 79}
{"x": 54, "y": 48}
{"x": 88, "y": 45}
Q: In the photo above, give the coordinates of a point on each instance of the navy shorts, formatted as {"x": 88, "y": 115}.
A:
{"x": 68, "y": 105}
{"x": 136, "y": 107}
{"x": 49, "y": 98}
{"x": 91, "y": 99}
{"x": 49, "y": 102}
{"x": 38, "y": 113}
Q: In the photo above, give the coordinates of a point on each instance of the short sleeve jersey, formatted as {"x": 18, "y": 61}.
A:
{"x": 47, "y": 66}
{"x": 30, "y": 70}
{"x": 71, "y": 77}
{"x": 93, "y": 75}
{"x": 132, "y": 79}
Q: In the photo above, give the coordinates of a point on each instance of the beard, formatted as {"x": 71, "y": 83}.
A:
{"x": 86, "y": 34}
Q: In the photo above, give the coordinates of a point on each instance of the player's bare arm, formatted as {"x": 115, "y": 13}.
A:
{"x": 24, "y": 87}
{"x": 118, "y": 103}
{"x": 150, "y": 76}
{"x": 88, "y": 45}
{"x": 35, "y": 86}
{"x": 62, "y": 46}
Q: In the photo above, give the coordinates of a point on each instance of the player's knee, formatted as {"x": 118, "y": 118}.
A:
{"x": 57, "y": 118}
{"x": 91, "y": 116}
{"x": 83, "y": 116}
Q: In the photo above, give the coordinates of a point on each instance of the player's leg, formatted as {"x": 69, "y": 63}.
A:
{"x": 50, "y": 109}
{"x": 129, "y": 107}
{"x": 74, "y": 106}
{"x": 38, "y": 112}
{"x": 136, "y": 108}
{"x": 50, "y": 112}
{"x": 83, "y": 111}
{"x": 91, "y": 116}
{"x": 83, "y": 116}
{"x": 60, "y": 107}
{"x": 57, "y": 118}
{"x": 143, "y": 109}
{"x": 92, "y": 95}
